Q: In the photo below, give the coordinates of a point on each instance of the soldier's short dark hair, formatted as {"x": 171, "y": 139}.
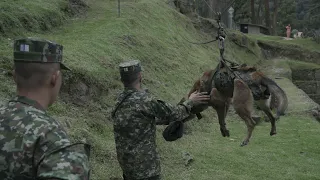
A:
{"x": 33, "y": 75}
{"x": 131, "y": 80}
{"x": 129, "y": 72}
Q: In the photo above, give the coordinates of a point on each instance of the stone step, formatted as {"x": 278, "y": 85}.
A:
{"x": 298, "y": 100}
{"x": 310, "y": 81}
{"x": 306, "y": 74}
{"x": 315, "y": 97}
{"x": 309, "y": 87}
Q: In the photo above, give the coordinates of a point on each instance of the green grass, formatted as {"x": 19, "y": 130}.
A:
{"x": 287, "y": 65}
{"x": 152, "y": 32}
{"x": 291, "y": 154}
{"x": 30, "y": 15}
{"x": 244, "y": 48}
{"x": 304, "y": 43}
{"x": 302, "y": 65}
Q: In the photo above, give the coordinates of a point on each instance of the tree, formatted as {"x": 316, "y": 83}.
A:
{"x": 303, "y": 15}
{"x": 267, "y": 14}
{"x": 287, "y": 13}
{"x": 275, "y": 17}
{"x": 241, "y": 11}
{"x": 253, "y": 17}
{"x": 258, "y": 20}
{"x": 314, "y": 14}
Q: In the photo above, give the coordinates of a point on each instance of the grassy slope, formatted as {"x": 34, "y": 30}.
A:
{"x": 301, "y": 42}
{"x": 35, "y": 15}
{"x": 152, "y": 32}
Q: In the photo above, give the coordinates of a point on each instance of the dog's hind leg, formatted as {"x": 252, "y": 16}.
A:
{"x": 265, "y": 108}
{"x": 221, "y": 111}
{"x": 245, "y": 113}
{"x": 221, "y": 106}
{"x": 250, "y": 126}
{"x": 243, "y": 105}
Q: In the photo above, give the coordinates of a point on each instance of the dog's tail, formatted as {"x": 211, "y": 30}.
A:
{"x": 279, "y": 99}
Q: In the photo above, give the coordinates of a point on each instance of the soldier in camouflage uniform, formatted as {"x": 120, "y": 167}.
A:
{"x": 135, "y": 118}
{"x": 33, "y": 145}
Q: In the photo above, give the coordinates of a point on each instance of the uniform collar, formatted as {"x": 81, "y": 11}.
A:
{"x": 27, "y": 101}
{"x": 130, "y": 89}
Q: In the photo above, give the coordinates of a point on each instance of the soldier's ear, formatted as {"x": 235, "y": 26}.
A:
{"x": 55, "y": 78}
{"x": 140, "y": 77}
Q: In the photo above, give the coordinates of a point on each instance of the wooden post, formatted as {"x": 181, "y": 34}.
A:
{"x": 118, "y": 8}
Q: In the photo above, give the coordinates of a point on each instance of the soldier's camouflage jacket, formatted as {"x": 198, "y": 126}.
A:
{"x": 135, "y": 122}
{"x": 34, "y": 145}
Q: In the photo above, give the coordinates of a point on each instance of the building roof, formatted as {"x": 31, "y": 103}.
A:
{"x": 250, "y": 24}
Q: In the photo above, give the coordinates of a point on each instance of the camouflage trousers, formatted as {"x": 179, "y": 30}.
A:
{"x": 149, "y": 178}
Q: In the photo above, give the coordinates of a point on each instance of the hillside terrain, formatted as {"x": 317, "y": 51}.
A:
{"x": 96, "y": 40}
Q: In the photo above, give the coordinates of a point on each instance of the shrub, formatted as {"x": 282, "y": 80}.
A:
{"x": 293, "y": 32}
{"x": 316, "y": 36}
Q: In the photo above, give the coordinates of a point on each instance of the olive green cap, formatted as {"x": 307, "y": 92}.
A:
{"x": 36, "y": 50}
{"x": 129, "y": 68}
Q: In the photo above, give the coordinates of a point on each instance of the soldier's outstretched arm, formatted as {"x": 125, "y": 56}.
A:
{"x": 165, "y": 113}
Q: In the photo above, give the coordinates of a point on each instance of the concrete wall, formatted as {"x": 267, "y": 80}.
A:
{"x": 309, "y": 81}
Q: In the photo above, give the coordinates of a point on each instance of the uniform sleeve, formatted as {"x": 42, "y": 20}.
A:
{"x": 62, "y": 160}
{"x": 165, "y": 113}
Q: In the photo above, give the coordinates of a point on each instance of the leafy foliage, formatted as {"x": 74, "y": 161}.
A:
{"x": 241, "y": 11}
{"x": 314, "y": 14}
{"x": 316, "y": 36}
{"x": 286, "y": 15}
{"x": 294, "y": 31}
{"x": 303, "y": 15}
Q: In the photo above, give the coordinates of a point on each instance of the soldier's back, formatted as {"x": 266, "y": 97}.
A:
{"x": 135, "y": 133}
{"x": 27, "y": 136}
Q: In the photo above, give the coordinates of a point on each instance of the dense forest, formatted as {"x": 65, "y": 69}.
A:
{"x": 302, "y": 15}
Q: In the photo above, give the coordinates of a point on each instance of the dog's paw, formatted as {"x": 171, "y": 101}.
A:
{"x": 244, "y": 143}
{"x": 225, "y": 132}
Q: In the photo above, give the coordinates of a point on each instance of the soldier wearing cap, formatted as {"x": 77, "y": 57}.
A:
{"x": 33, "y": 145}
{"x": 135, "y": 116}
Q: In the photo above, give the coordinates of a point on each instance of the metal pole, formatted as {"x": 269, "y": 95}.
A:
{"x": 118, "y": 8}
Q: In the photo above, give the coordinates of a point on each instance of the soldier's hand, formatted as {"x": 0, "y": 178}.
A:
{"x": 199, "y": 97}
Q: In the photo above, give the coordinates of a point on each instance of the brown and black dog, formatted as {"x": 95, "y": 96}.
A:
{"x": 242, "y": 99}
